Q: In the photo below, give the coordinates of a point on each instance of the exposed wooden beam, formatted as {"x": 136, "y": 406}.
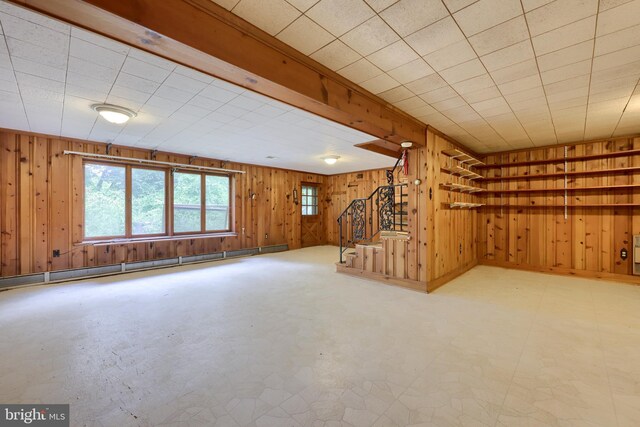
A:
{"x": 381, "y": 146}
{"x": 202, "y": 35}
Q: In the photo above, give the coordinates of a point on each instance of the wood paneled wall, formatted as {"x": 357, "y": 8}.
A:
{"x": 452, "y": 234}
{"x": 41, "y": 208}
{"x": 589, "y": 241}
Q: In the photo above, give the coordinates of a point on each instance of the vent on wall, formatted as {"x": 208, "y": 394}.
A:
{"x": 636, "y": 255}
{"x": 81, "y": 273}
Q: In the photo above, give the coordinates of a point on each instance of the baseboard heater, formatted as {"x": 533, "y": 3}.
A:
{"x": 128, "y": 267}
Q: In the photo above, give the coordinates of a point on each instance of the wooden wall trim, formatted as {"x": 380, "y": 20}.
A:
{"x": 204, "y": 36}
{"x": 443, "y": 280}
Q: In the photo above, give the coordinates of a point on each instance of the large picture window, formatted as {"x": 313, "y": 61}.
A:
{"x": 127, "y": 201}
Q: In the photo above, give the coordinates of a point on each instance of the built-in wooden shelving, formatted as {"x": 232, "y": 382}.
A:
{"x": 562, "y": 189}
{"x": 589, "y": 205}
{"x": 462, "y": 172}
{"x": 462, "y": 157}
{"x": 561, "y": 159}
{"x": 464, "y": 205}
{"x": 562, "y": 174}
{"x": 462, "y": 188}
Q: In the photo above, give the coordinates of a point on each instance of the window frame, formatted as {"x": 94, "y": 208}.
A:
{"x": 169, "y": 231}
{"x": 316, "y": 198}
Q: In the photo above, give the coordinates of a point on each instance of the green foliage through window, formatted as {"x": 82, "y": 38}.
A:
{"x": 187, "y": 202}
{"x": 147, "y": 201}
{"x": 104, "y": 201}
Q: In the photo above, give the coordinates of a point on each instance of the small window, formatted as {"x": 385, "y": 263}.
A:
{"x": 104, "y": 200}
{"x": 187, "y": 202}
{"x": 309, "y": 200}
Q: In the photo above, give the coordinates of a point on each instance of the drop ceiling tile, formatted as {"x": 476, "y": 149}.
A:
{"x": 271, "y": 16}
{"x": 184, "y": 83}
{"x": 482, "y": 94}
{"x": 360, "y": 71}
{"x": 39, "y": 82}
{"x": 456, "y": 5}
{"x": 302, "y": 5}
{"x": 396, "y": 94}
{"x": 491, "y": 104}
{"x": 500, "y": 36}
{"x": 567, "y": 72}
{"x": 463, "y": 71}
{"x": 408, "y": 16}
{"x": 380, "y": 5}
{"x": 421, "y": 111}
{"x": 38, "y": 35}
{"x": 534, "y": 4}
{"x": 379, "y": 84}
{"x": 393, "y": 56}
{"x": 559, "y": 13}
{"x": 148, "y": 58}
{"x": 204, "y": 102}
{"x": 514, "y": 72}
{"x": 340, "y": 16}
{"x": 562, "y": 37}
{"x": 564, "y": 99}
{"x": 370, "y": 36}
{"x": 194, "y": 74}
{"x": 449, "y": 56}
{"x": 568, "y": 84}
{"x": 617, "y": 58}
{"x": 137, "y": 68}
{"x": 34, "y": 18}
{"x": 618, "y": 18}
{"x": 448, "y": 104}
{"x": 173, "y": 94}
{"x": 97, "y": 40}
{"x": 9, "y": 86}
{"x": 336, "y": 55}
{"x": 426, "y": 84}
{"x": 437, "y": 95}
{"x": 36, "y": 95}
{"x": 566, "y": 56}
{"x": 463, "y": 115}
{"x": 474, "y": 84}
{"x": 616, "y": 41}
{"x": 520, "y": 85}
{"x": 96, "y": 54}
{"x": 630, "y": 69}
{"x": 538, "y": 105}
{"x": 227, "y": 4}
{"x": 35, "y": 53}
{"x": 514, "y": 54}
{"x": 124, "y": 102}
{"x": 485, "y": 14}
{"x": 305, "y": 35}
{"x": 410, "y": 103}
{"x": 411, "y": 71}
{"x": 135, "y": 82}
{"x": 436, "y": 36}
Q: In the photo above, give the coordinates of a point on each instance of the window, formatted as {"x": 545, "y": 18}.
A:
{"x": 309, "y": 200}
{"x": 126, "y": 201}
{"x": 104, "y": 200}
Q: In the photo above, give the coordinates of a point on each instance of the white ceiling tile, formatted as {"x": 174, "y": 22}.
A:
{"x": 380, "y": 5}
{"x": 568, "y": 84}
{"x": 370, "y": 36}
{"x": 396, "y": 94}
{"x": 39, "y": 54}
{"x": 360, "y": 71}
{"x": 411, "y": 71}
{"x": 379, "y": 84}
{"x": 142, "y": 69}
{"x": 426, "y": 84}
{"x": 562, "y": 37}
{"x": 514, "y": 54}
{"x": 393, "y": 56}
{"x": 449, "y": 56}
{"x": 130, "y": 94}
{"x": 559, "y": 13}
{"x": 25, "y": 80}
{"x": 449, "y": 103}
{"x": 97, "y": 40}
{"x": 482, "y": 94}
{"x": 437, "y": 95}
{"x": 305, "y": 35}
{"x": 485, "y": 14}
{"x": 184, "y": 83}
{"x": 516, "y": 71}
{"x": 207, "y": 103}
{"x": 340, "y": 16}
{"x": 474, "y": 84}
{"x": 137, "y": 83}
{"x": 271, "y": 16}
{"x": 410, "y": 103}
{"x": 246, "y": 102}
{"x": 34, "y": 18}
{"x": 500, "y": 36}
{"x": 463, "y": 71}
{"x": 617, "y": 58}
{"x": 336, "y": 55}
{"x": 227, "y": 4}
{"x": 520, "y": 85}
{"x": 618, "y": 18}
{"x": 217, "y": 94}
{"x": 456, "y": 5}
{"x": 96, "y": 54}
{"x": 8, "y": 86}
{"x": 566, "y": 56}
{"x": 566, "y": 72}
{"x": 534, "y": 4}
{"x": 436, "y": 36}
{"x": 302, "y": 5}
{"x": 616, "y": 41}
{"x": 35, "y": 34}
{"x": 149, "y": 58}
{"x": 408, "y": 16}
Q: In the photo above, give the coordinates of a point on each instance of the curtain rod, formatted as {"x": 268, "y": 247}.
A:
{"x": 154, "y": 162}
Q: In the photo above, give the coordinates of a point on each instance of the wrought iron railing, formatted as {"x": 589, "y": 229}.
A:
{"x": 384, "y": 210}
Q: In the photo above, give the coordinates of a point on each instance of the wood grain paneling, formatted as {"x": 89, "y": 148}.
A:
{"x": 536, "y": 235}
{"x": 41, "y": 192}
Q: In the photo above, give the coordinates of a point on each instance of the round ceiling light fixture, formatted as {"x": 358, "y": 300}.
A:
{"x": 406, "y": 144}
{"x": 114, "y": 113}
{"x": 331, "y": 160}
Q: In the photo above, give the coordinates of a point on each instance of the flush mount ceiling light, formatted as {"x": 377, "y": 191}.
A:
{"x": 113, "y": 113}
{"x": 331, "y": 160}
{"x": 406, "y": 144}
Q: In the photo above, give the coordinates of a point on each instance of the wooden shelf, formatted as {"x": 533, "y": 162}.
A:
{"x": 601, "y": 205}
{"x": 462, "y": 157}
{"x": 561, "y": 190}
{"x": 463, "y": 205}
{"x": 462, "y": 172}
{"x": 462, "y": 188}
{"x": 561, "y": 174}
{"x": 562, "y": 159}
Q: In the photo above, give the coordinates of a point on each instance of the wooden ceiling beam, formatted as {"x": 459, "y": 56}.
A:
{"x": 202, "y": 35}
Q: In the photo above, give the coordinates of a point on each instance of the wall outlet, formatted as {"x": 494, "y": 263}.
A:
{"x": 266, "y": 236}
{"x": 56, "y": 253}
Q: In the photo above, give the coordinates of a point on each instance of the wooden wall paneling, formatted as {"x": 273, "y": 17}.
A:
{"x": 622, "y": 222}
{"x": 25, "y": 204}
{"x": 41, "y": 251}
{"x": 10, "y": 211}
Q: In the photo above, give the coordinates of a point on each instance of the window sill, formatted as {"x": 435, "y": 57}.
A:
{"x": 156, "y": 239}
